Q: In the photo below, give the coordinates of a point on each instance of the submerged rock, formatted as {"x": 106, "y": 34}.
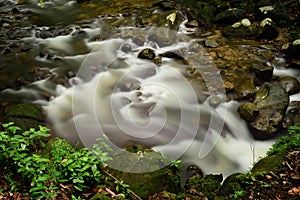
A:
{"x": 266, "y": 113}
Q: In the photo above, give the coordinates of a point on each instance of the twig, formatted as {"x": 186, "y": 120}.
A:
{"x": 131, "y": 193}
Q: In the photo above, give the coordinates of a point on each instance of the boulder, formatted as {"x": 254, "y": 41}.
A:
{"x": 267, "y": 164}
{"x": 267, "y": 30}
{"x": 230, "y": 16}
{"x": 266, "y": 113}
{"x": 25, "y": 115}
{"x": 240, "y": 31}
{"x": 145, "y": 171}
{"x": 290, "y": 84}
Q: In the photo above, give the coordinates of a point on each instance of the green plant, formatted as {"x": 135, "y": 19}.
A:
{"x": 294, "y": 129}
{"x": 17, "y": 149}
{"x": 41, "y": 3}
{"x": 40, "y": 168}
{"x": 238, "y": 194}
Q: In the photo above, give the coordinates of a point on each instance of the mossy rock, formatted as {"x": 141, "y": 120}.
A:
{"x": 267, "y": 164}
{"x": 23, "y": 123}
{"x": 146, "y": 172}
{"x": 231, "y": 184}
{"x": 26, "y": 110}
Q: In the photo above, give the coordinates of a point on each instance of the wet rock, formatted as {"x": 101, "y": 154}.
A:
{"x": 267, "y": 30}
{"x": 192, "y": 24}
{"x": 248, "y": 111}
{"x": 215, "y": 101}
{"x": 237, "y": 30}
{"x": 230, "y": 16}
{"x": 147, "y": 54}
{"x": 267, "y": 164}
{"x": 245, "y": 89}
{"x": 163, "y": 37}
{"x": 270, "y": 102}
{"x": 290, "y": 84}
{"x": 287, "y": 121}
{"x": 211, "y": 43}
{"x": 262, "y": 73}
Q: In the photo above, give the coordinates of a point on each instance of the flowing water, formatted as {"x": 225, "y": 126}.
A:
{"x": 91, "y": 82}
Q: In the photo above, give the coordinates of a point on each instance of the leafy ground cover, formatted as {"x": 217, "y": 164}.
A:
{"x": 33, "y": 166}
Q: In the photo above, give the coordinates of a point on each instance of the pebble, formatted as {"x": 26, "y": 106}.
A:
{"x": 296, "y": 42}
{"x": 266, "y": 9}
{"x": 246, "y": 22}
{"x": 236, "y": 25}
{"x": 266, "y": 21}
{"x": 211, "y": 43}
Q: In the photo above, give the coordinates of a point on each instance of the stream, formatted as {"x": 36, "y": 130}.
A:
{"x": 136, "y": 73}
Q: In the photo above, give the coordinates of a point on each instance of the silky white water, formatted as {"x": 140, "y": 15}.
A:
{"x": 135, "y": 101}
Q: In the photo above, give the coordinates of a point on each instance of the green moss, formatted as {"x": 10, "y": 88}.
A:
{"x": 57, "y": 149}
{"x": 286, "y": 144}
{"x": 231, "y": 184}
{"x": 267, "y": 164}
{"x": 26, "y": 110}
{"x": 208, "y": 185}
